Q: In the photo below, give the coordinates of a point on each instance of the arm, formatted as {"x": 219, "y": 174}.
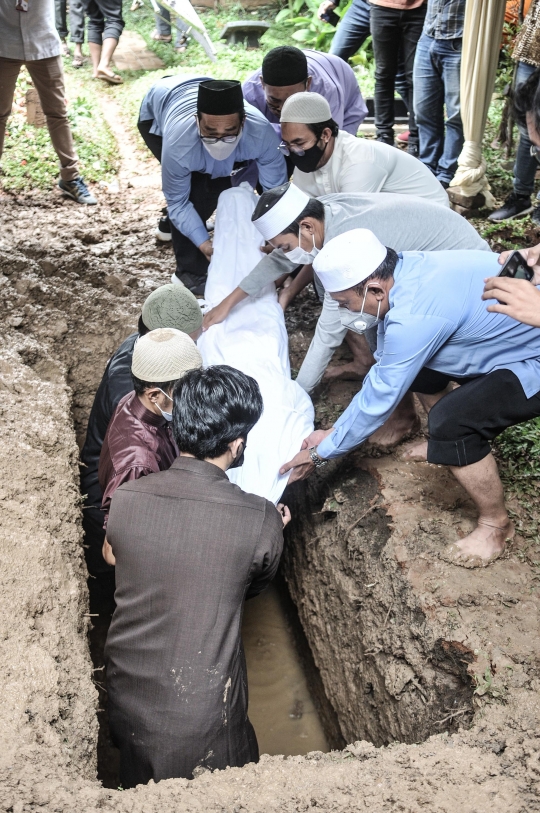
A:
{"x": 107, "y": 552}
{"x": 532, "y": 255}
{"x": 116, "y": 481}
{"x": 176, "y": 183}
{"x": 329, "y": 334}
{"x": 271, "y": 162}
{"x": 409, "y": 343}
{"x": 325, "y": 7}
{"x": 268, "y": 551}
{"x": 364, "y": 176}
{"x": 298, "y": 284}
{"x": 221, "y": 311}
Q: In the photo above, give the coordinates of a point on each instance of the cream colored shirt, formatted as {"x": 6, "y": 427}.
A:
{"x": 363, "y": 165}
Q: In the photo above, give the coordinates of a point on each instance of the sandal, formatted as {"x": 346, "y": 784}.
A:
{"x": 115, "y": 79}
{"x": 78, "y": 61}
{"x": 157, "y": 37}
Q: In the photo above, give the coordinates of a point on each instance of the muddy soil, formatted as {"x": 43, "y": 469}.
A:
{"x": 408, "y": 647}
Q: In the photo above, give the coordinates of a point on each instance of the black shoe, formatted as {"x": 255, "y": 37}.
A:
{"x": 514, "y": 206}
{"x": 163, "y": 231}
{"x": 444, "y": 184}
{"x": 385, "y": 139}
{"x": 413, "y": 149}
{"x": 195, "y": 284}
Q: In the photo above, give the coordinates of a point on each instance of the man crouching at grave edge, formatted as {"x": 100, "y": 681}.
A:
{"x": 433, "y": 330}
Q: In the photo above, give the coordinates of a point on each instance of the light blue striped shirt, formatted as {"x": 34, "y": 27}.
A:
{"x": 172, "y": 103}
{"x": 438, "y": 320}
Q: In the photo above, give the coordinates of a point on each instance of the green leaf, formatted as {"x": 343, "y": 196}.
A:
{"x": 302, "y": 36}
{"x": 283, "y": 14}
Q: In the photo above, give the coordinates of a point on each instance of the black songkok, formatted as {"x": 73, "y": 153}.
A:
{"x": 220, "y": 97}
{"x": 283, "y": 66}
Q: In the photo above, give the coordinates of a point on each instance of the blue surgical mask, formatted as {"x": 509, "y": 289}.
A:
{"x": 166, "y": 415}
{"x": 359, "y": 322}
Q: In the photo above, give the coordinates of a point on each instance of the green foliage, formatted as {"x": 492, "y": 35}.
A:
{"x": 311, "y": 32}
{"x": 518, "y": 449}
{"x": 29, "y": 160}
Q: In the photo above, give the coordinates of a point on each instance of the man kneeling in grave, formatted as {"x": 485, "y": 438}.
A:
{"x": 433, "y": 330}
{"x": 298, "y": 226}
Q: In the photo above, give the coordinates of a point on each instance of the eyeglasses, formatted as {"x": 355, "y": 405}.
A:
{"x": 286, "y": 150}
{"x": 228, "y": 139}
{"x": 535, "y": 152}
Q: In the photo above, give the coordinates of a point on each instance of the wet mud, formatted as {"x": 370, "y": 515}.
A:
{"x": 432, "y": 672}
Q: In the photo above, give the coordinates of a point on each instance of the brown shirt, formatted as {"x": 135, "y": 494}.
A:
{"x": 190, "y": 547}
{"x": 137, "y": 443}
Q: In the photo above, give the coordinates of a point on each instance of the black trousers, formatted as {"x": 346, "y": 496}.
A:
{"x": 191, "y": 264}
{"x": 394, "y": 33}
{"x": 463, "y": 422}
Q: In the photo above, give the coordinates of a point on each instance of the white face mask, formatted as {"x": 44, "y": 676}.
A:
{"x": 299, "y": 256}
{"x": 166, "y": 415}
{"x": 221, "y": 149}
{"x": 359, "y": 322}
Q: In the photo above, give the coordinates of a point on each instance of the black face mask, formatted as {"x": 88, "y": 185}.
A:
{"x": 309, "y": 160}
{"x": 239, "y": 459}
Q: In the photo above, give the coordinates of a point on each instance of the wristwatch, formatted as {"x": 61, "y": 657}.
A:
{"x": 318, "y": 461}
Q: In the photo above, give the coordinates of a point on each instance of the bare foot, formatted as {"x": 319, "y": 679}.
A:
{"x": 347, "y": 372}
{"x": 400, "y": 425}
{"x": 417, "y": 453}
{"x": 481, "y": 547}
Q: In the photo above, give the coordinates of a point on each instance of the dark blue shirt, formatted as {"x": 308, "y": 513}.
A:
{"x": 444, "y": 19}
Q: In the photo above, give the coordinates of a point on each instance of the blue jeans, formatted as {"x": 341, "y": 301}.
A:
{"x": 525, "y": 165}
{"x": 351, "y": 33}
{"x": 163, "y": 25}
{"x": 437, "y": 67}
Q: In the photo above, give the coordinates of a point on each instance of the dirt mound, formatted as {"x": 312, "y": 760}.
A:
{"x": 407, "y": 645}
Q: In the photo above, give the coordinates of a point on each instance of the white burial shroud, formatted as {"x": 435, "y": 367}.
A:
{"x": 254, "y": 339}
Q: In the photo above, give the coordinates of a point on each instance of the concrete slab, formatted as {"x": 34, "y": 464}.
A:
{"x": 133, "y": 55}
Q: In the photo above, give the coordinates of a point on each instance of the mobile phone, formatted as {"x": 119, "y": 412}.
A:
{"x": 330, "y": 17}
{"x": 516, "y": 267}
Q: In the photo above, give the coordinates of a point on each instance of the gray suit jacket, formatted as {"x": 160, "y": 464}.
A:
{"x": 190, "y": 547}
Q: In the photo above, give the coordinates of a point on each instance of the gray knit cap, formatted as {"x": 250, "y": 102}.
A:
{"x": 172, "y": 306}
{"x": 164, "y": 355}
{"x": 306, "y": 108}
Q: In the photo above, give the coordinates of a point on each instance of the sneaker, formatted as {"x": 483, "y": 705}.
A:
{"x": 163, "y": 231}
{"x": 403, "y": 137}
{"x": 514, "y": 206}
{"x": 384, "y": 139}
{"x": 77, "y": 190}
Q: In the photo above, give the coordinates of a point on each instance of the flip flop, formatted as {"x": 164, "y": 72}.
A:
{"x": 115, "y": 79}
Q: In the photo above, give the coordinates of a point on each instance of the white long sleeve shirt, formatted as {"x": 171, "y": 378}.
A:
{"x": 363, "y": 165}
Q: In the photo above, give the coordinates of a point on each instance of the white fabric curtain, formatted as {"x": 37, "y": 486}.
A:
{"x": 481, "y": 46}
{"x": 254, "y": 339}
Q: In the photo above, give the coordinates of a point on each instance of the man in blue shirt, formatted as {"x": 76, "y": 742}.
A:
{"x": 433, "y": 329}
{"x": 206, "y": 139}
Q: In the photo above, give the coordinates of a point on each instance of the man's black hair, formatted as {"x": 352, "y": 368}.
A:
{"x": 141, "y": 327}
{"x": 141, "y": 386}
{"x": 314, "y": 209}
{"x": 526, "y": 99}
{"x": 212, "y": 408}
{"x": 384, "y": 271}
{"x": 317, "y": 129}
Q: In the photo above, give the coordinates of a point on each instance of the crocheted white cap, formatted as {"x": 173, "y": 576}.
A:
{"x": 164, "y": 354}
{"x": 291, "y": 204}
{"x": 348, "y": 259}
{"x": 306, "y": 108}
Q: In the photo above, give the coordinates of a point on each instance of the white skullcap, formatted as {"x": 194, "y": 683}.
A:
{"x": 306, "y": 108}
{"x": 348, "y": 259}
{"x": 291, "y": 204}
{"x": 164, "y": 354}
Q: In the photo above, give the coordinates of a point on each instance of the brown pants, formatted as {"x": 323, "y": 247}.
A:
{"x": 48, "y": 78}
